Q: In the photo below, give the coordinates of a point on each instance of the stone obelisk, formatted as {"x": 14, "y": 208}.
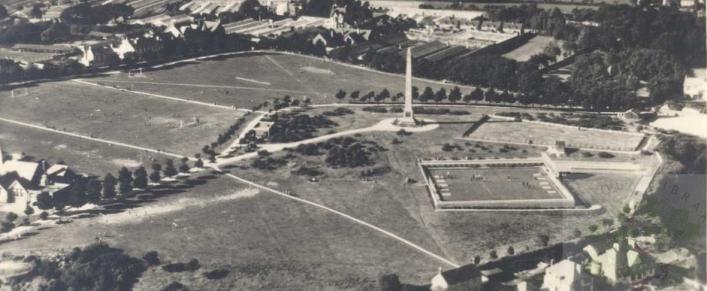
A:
{"x": 408, "y": 115}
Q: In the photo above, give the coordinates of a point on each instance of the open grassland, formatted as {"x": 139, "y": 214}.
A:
{"x": 266, "y": 242}
{"x": 251, "y": 79}
{"x": 85, "y": 156}
{"x": 534, "y": 46}
{"x": 541, "y": 134}
{"x": 119, "y": 116}
{"x": 612, "y": 191}
{"x": 494, "y": 183}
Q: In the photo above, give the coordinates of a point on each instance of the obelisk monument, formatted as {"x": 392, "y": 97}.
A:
{"x": 408, "y": 115}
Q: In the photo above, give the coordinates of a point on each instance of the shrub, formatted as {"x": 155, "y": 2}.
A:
{"x": 175, "y": 286}
{"x": 605, "y": 155}
{"x": 11, "y": 216}
{"x": 6, "y": 226}
{"x": 95, "y": 267}
{"x": 44, "y": 215}
{"x": 151, "y": 258}
{"x": 216, "y": 274}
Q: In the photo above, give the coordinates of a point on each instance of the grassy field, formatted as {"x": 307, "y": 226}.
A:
{"x": 609, "y": 190}
{"x": 265, "y": 241}
{"x": 540, "y": 134}
{"x": 248, "y": 80}
{"x": 24, "y": 56}
{"x": 534, "y": 46}
{"x": 496, "y": 183}
{"x": 85, "y": 156}
{"x": 119, "y": 116}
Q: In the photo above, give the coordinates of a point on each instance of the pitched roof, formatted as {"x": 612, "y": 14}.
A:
{"x": 57, "y": 170}
{"x": 26, "y": 170}
{"x": 7, "y": 179}
{"x": 461, "y": 274}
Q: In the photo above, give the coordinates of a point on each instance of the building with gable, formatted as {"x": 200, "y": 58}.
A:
{"x": 619, "y": 261}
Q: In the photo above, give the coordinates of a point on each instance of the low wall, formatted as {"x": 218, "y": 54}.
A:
{"x": 515, "y": 204}
{"x": 567, "y": 200}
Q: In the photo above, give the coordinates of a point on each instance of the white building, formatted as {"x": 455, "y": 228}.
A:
{"x": 563, "y": 276}
{"x": 695, "y": 86}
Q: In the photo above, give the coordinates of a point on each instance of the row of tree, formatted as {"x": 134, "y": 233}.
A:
{"x": 93, "y": 190}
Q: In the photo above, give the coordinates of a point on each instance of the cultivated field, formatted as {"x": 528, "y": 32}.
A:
{"x": 494, "y": 183}
{"x": 541, "y": 134}
{"x": 534, "y": 46}
{"x": 250, "y": 79}
{"x": 119, "y": 116}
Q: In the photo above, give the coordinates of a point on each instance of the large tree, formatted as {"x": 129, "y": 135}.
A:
{"x": 170, "y": 170}
{"x": 125, "y": 181}
{"x": 455, "y": 94}
{"x": 108, "y": 186}
{"x": 140, "y": 178}
{"x": 3, "y": 12}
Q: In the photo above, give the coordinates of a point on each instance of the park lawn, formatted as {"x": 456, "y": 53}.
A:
{"x": 250, "y": 79}
{"x": 497, "y": 130}
{"x": 84, "y": 156}
{"x": 611, "y": 191}
{"x": 534, "y": 46}
{"x": 119, "y": 116}
{"x": 314, "y": 72}
{"x": 496, "y": 183}
{"x": 266, "y": 241}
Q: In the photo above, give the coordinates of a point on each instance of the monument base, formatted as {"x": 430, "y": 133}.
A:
{"x": 407, "y": 122}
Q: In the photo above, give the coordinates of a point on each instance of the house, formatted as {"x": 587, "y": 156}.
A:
{"x": 97, "y": 55}
{"x": 329, "y": 40}
{"x": 124, "y": 47}
{"x": 14, "y": 196}
{"x": 358, "y": 36}
{"x": 336, "y": 18}
{"x": 695, "y": 84}
{"x": 620, "y": 261}
{"x": 61, "y": 174}
{"x": 563, "y": 276}
{"x": 30, "y": 173}
{"x": 463, "y": 278}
